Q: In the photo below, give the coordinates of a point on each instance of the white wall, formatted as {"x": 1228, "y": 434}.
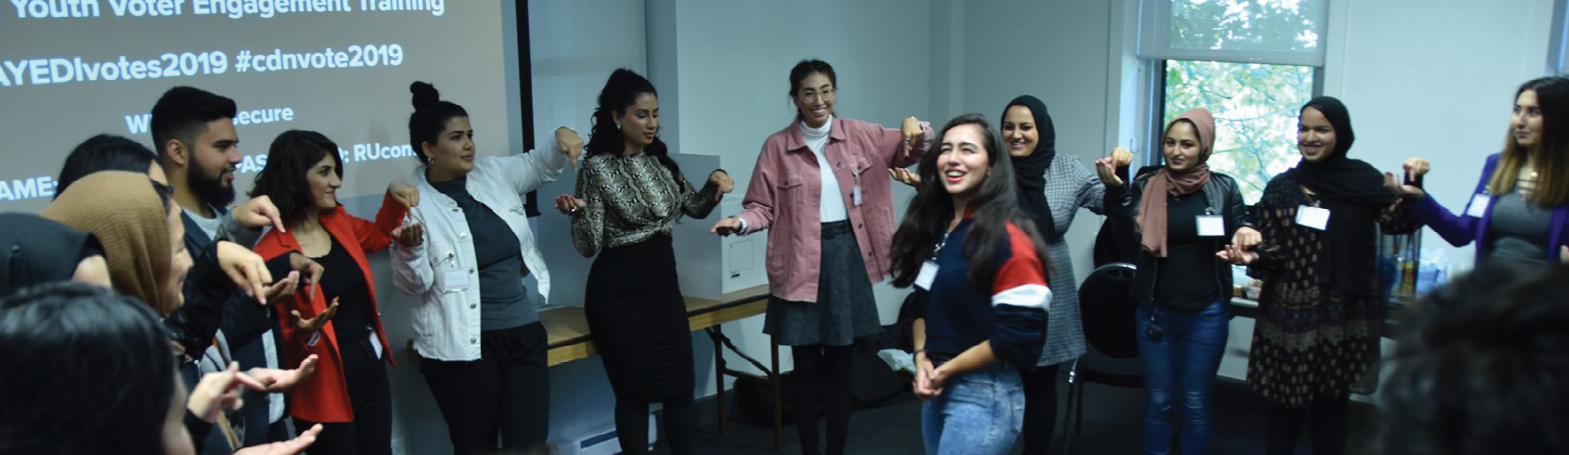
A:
{"x": 1436, "y": 80}
{"x": 723, "y": 68}
{"x": 1058, "y": 52}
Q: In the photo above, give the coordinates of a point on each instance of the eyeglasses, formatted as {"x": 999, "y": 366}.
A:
{"x": 827, "y": 94}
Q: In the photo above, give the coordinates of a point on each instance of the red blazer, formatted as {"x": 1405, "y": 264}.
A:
{"x": 324, "y": 397}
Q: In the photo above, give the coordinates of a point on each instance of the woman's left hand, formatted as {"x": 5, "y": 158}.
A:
{"x": 1247, "y": 238}
{"x": 568, "y": 142}
{"x": 404, "y": 193}
{"x": 722, "y": 180}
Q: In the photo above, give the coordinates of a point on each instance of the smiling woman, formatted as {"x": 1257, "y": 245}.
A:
{"x": 818, "y": 185}
{"x": 966, "y": 242}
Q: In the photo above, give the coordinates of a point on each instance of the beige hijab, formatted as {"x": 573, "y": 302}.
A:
{"x": 124, "y": 211}
{"x": 1152, "y": 208}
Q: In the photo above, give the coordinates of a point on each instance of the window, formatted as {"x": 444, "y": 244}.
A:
{"x": 1255, "y": 107}
{"x": 1252, "y": 63}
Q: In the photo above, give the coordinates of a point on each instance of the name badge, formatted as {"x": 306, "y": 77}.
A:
{"x": 1478, "y": 207}
{"x": 928, "y": 273}
{"x": 855, "y": 195}
{"x": 1313, "y": 217}
{"x": 455, "y": 280}
{"x": 1211, "y": 226}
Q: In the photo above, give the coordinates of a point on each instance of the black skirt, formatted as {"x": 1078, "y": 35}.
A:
{"x": 845, "y": 308}
{"x": 638, "y": 320}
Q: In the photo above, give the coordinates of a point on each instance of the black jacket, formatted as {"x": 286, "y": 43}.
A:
{"x": 1121, "y": 207}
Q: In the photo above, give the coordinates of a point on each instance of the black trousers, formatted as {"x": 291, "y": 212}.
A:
{"x": 505, "y": 392}
{"x": 822, "y": 381}
{"x": 1326, "y": 417}
{"x": 371, "y": 399}
{"x": 1040, "y": 409}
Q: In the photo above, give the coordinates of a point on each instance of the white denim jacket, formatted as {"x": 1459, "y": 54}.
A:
{"x": 447, "y": 320}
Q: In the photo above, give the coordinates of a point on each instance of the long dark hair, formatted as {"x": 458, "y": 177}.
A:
{"x": 604, "y": 138}
{"x": 86, "y": 371}
{"x": 289, "y": 161}
{"x": 1550, "y": 156}
{"x": 995, "y": 205}
{"x": 430, "y": 117}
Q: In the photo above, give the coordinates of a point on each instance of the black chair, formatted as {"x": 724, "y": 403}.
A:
{"x": 1108, "y": 313}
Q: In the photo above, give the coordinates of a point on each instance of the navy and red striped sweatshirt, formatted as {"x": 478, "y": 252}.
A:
{"x": 1011, "y": 312}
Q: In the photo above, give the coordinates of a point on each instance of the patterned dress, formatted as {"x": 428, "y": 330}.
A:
{"x": 1310, "y": 340}
{"x": 1068, "y": 186}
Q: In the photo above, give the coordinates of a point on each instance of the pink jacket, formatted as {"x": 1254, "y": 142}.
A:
{"x": 786, "y": 189}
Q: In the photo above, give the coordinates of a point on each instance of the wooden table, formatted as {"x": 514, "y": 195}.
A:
{"x": 569, "y": 339}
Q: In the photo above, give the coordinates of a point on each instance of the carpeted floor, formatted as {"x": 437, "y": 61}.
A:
{"x": 1113, "y": 423}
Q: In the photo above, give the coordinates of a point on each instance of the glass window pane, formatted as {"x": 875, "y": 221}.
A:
{"x": 1250, "y": 25}
{"x": 1255, "y": 108}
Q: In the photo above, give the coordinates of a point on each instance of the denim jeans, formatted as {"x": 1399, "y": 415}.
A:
{"x": 1185, "y": 359}
{"x": 980, "y": 412}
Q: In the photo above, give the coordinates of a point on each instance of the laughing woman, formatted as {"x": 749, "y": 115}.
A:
{"x": 965, "y": 240}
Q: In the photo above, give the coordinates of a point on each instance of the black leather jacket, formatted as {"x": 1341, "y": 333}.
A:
{"x": 1121, "y": 207}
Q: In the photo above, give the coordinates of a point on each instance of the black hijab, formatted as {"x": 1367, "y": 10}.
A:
{"x": 35, "y": 250}
{"x": 1355, "y": 195}
{"x": 1030, "y": 171}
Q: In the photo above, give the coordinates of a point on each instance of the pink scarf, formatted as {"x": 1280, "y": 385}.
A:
{"x": 1166, "y": 183}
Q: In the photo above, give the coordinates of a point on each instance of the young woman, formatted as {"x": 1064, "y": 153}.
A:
{"x": 349, "y": 393}
{"x": 135, "y": 220}
{"x": 482, "y": 345}
{"x": 966, "y": 241}
{"x": 1179, "y": 216}
{"x": 1051, "y": 189}
{"x": 1321, "y": 309}
{"x": 631, "y": 195}
{"x": 1520, "y": 208}
{"x": 818, "y": 185}
{"x": 65, "y": 338}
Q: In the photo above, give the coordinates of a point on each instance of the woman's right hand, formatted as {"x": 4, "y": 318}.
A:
{"x": 570, "y": 205}
{"x": 925, "y": 386}
{"x": 906, "y": 177}
{"x": 313, "y": 324}
{"x": 726, "y": 226}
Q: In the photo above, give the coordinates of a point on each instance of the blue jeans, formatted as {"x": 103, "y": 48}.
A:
{"x": 980, "y": 412}
{"x": 1184, "y": 359}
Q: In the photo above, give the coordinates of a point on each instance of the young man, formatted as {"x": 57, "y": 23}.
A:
{"x": 193, "y": 133}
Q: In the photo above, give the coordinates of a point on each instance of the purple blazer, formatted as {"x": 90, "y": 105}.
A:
{"x": 1463, "y": 229}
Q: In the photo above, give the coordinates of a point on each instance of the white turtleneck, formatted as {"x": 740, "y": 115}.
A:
{"x": 831, "y": 207}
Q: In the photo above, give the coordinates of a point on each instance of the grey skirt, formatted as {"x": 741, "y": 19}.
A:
{"x": 845, "y": 308}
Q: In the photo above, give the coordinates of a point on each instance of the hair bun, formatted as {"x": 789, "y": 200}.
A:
{"x": 424, "y": 94}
